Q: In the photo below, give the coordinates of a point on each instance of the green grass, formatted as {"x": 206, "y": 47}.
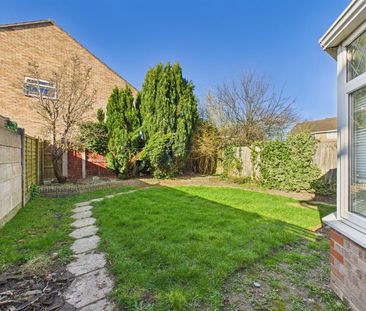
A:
{"x": 41, "y": 228}
{"x": 173, "y": 248}
{"x": 294, "y": 278}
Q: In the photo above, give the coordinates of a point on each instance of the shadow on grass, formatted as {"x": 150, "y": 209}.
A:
{"x": 174, "y": 247}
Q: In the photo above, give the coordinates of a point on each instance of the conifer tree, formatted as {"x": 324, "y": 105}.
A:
{"x": 169, "y": 114}
{"x": 123, "y": 126}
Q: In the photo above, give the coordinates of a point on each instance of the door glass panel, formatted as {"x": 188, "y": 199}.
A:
{"x": 358, "y": 152}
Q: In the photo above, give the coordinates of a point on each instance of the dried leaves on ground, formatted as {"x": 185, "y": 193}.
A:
{"x": 34, "y": 288}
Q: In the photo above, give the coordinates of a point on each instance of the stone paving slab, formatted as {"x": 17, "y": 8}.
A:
{"x": 84, "y": 232}
{"x": 86, "y": 263}
{"x": 82, "y": 203}
{"x": 82, "y": 208}
{"x": 82, "y": 215}
{"x": 97, "y": 200}
{"x": 83, "y": 222}
{"x": 101, "y": 305}
{"x": 85, "y": 244}
{"x": 89, "y": 288}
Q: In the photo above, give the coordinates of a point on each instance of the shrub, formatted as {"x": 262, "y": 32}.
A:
{"x": 205, "y": 145}
{"x": 287, "y": 165}
{"x": 230, "y": 163}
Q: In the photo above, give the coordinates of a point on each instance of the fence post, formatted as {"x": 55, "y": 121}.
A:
{"x": 83, "y": 164}
{"x": 65, "y": 164}
{"x": 22, "y": 157}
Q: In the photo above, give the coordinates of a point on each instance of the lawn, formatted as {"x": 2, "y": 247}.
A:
{"x": 41, "y": 228}
{"x": 174, "y": 248}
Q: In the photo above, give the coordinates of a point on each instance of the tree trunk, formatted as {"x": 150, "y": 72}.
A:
{"x": 57, "y": 165}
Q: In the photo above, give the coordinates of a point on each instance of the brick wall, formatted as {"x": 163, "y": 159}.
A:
{"x": 50, "y": 46}
{"x": 348, "y": 270}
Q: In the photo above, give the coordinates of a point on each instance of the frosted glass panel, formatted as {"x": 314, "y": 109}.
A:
{"x": 358, "y": 151}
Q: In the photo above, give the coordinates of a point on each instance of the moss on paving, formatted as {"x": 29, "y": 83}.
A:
{"x": 173, "y": 248}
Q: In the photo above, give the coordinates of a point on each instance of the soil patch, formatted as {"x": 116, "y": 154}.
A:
{"x": 23, "y": 289}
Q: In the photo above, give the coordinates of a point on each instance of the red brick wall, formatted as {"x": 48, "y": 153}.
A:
{"x": 74, "y": 165}
{"x": 348, "y": 270}
{"x": 96, "y": 165}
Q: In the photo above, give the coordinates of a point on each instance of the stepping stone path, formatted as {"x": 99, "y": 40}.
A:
{"x": 92, "y": 284}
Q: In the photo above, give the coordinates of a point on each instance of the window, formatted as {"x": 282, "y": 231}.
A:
{"x": 358, "y": 152}
{"x": 356, "y": 57}
{"x": 33, "y": 87}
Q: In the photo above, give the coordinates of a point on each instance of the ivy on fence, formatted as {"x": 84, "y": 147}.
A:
{"x": 287, "y": 165}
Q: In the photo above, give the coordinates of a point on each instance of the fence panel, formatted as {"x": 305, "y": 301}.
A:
{"x": 31, "y": 157}
{"x": 326, "y": 159}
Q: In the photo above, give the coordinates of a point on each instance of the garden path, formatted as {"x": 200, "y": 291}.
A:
{"x": 89, "y": 290}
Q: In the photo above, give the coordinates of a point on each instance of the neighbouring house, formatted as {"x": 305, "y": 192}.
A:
{"x": 345, "y": 41}
{"x": 50, "y": 46}
{"x": 324, "y": 130}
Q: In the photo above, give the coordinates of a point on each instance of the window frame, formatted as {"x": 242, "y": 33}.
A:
{"x": 345, "y": 89}
{"x": 51, "y": 85}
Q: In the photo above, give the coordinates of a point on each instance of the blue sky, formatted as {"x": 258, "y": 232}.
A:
{"x": 213, "y": 40}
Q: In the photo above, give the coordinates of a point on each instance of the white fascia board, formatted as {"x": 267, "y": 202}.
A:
{"x": 351, "y": 18}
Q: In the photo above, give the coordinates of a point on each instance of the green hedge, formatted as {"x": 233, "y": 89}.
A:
{"x": 287, "y": 165}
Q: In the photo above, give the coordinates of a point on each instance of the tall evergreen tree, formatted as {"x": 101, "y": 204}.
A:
{"x": 123, "y": 126}
{"x": 169, "y": 114}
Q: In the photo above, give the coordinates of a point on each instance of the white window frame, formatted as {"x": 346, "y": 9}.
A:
{"x": 344, "y": 90}
{"x": 48, "y": 85}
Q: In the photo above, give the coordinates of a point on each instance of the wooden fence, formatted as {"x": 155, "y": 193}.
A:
{"x": 325, "y": 158}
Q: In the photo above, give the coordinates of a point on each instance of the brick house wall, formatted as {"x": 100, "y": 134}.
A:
{"x": 50, "y": 46}
{"x": 348, "y": 270}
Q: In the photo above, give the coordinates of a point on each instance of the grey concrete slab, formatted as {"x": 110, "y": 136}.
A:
{"x": 97, "y": 200}
{"x": 83, "y": 222}
{"x": 84, "y": 232}
{"x": 82, "y": 215}
{"x": 89, "y": 288}
{"x": 110, "y": 196}
{"x": 101, "y": 305}
{"x": 85, "y": 244}
{"x": 86, "y": 263}
{"x": 82, "y": 208}
{"x": 82, "y": 203}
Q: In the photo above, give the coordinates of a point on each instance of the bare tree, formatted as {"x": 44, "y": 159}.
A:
{"x": 250, "y": 109}
{"x": 63, "y": 101}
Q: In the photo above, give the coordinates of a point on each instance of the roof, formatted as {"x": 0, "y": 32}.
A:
{"x": 349, "y": 20}
{"x": 48, "y": 22}
{"x": 316, "y": 126}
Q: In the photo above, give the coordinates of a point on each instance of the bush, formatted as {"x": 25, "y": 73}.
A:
{"x": 287, "y": 165}
{"x": 205, "y": 145}
{"x": 231, "y": 164}
{"x": 160, "y": 156}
